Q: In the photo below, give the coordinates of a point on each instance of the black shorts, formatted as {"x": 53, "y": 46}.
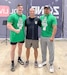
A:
{"x": 14, "y": 43}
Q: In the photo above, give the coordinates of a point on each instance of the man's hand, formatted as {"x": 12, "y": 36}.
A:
{"x": 51, "y": 39}
{"x": 10, "y": 27}
{"x": 53, "y": 33}
{"x": 17, "y": 30}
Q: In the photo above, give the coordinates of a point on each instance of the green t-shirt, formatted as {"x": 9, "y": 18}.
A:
{"x": 17, "y": 22}
{"x": 47, "y": 22}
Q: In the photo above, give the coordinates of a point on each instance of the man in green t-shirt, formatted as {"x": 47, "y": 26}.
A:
{"x": 15, "y": 24}
{"x": 48, "y": 31}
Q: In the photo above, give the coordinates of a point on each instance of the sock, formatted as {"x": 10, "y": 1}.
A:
{"x": 19, "y": 58}
{"x": 51, "y": 64}
{"x": 35, "y": 61}
{"x": 12, "y": 62}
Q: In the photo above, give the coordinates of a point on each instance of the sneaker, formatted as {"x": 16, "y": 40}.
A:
{"x": 26, "y": 64}
{"x": 51, "y": 68}
{"x": 12, "y": 68}
{"x": 36, "y": 64}
{"x": 21, "y": 62}
{"x": 42, "y": 64}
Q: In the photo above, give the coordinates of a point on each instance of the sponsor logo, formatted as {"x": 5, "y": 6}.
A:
{"x": 4, "y": 11}
{"x": 40, "y": 10}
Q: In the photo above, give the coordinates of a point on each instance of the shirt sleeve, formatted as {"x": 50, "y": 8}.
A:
{"x": 10, "y": 19}
{"x": 40, "y": 17}
{"x": 39, "y": 22}
{"x": 24, "y": 19}
{"x": 25, "y": 22}
{"x": 54, "y": 21}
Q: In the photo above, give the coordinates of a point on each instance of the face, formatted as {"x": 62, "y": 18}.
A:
{"x": 31, "y": 12}
{"x": 19, "y": 10}
{"x": 46, "y": 11}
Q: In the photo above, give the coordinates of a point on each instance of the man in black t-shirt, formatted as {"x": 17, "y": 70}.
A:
{"x": 32, "y": 23}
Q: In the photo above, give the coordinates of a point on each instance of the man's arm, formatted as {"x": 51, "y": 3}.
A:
{"x": 39, "y": 22}
{"x": 54, "y": 32}
{"x": 10, "y": 27}
{"x": 25, "y": 22}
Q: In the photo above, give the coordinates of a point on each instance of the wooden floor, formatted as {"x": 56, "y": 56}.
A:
{"x": 60, "y": 62}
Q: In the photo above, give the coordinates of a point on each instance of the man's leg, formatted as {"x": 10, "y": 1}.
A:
{"x": 35, "y": 44}
{"x": 20, "y": 52}
{"x": 27, "y": 57}
{"x": 20, "y": 49}
{"x": 35, "y": 53}
{"x": 51, "y": 55}
{"x": 13, "y": 46}
{"x": 36, "y": 56}
{"x": 51, "y": 51}
{"x": 27, "y": 54}
{"x": 28, "y": 45}
{"x": 12, "y": 52}
{"x": 43, "y": 51}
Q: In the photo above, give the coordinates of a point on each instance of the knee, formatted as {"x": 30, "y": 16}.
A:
{"x": 35, "y": 50}
{"x": 28, "y": 49}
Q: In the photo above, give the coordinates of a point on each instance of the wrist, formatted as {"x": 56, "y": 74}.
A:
{"x": 14, "y": 30}
{"x": 52, "y": 36}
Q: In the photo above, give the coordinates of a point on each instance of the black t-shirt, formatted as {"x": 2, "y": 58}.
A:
{"x": 32, "y": 28}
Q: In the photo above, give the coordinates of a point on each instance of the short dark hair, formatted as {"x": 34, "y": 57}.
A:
{"x": 47, "y": 6}
{"x": 19, "y": 5}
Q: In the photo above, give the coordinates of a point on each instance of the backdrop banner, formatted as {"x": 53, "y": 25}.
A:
{"x": 56, "y": 9}
{"x": 9, "y": 6}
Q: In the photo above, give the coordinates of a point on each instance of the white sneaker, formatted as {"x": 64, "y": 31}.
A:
{"x": 42, "y": 64}
{"x": 51, "y": 68}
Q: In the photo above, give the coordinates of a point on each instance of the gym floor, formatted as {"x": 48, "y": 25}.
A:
{"x": 60, "y": 62}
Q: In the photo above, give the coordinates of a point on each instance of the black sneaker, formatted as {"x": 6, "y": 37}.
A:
{"x": 36, "y": 64}
{"x": 21, "y": 62}
{"x": 26, "y": 64}
{"x": 12, "y": 68}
